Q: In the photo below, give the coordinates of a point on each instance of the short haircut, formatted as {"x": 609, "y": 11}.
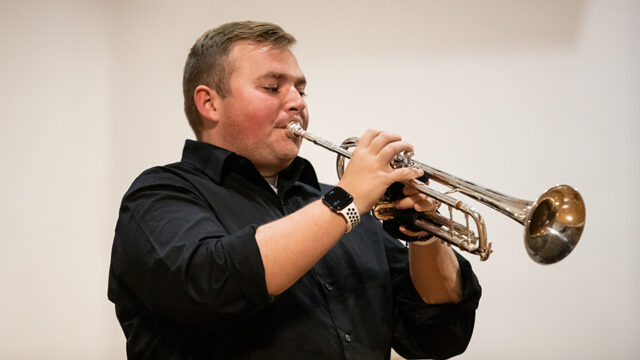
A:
{"x": 207, "y": 63}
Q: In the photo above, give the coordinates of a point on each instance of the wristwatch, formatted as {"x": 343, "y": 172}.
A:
{"x": 341, "y": 202}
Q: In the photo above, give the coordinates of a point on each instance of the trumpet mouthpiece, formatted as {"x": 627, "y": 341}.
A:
{"x": 294, "y": 129}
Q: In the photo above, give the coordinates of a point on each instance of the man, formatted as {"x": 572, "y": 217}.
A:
{"x": 232, "y": 253}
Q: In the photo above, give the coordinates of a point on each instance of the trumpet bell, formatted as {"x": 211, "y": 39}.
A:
{"x": 554, "y": 224}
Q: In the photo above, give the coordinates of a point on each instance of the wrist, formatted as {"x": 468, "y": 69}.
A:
{"x": 348, "y": 189}
{"x": 341, "y": 202}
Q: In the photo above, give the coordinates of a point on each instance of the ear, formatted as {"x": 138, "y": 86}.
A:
{"x": 208, "y": 103}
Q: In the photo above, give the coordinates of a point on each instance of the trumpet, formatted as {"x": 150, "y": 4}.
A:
{"x": 552, "y": 224}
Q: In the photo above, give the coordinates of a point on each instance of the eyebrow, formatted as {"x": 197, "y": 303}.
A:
{"x": 298, "y": 81}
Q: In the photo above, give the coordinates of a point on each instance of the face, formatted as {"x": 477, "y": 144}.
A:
{"x": 267, "y": 89}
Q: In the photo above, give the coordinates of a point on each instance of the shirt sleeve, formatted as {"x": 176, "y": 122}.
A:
{"x": 172, "y": 258}
{"x": 430, "y": 331}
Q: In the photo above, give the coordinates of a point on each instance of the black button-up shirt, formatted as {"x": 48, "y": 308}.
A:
{"x": 188, "y": 282}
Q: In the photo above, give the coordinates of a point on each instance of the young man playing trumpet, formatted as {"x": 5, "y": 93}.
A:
{"x": 236, "y": 251}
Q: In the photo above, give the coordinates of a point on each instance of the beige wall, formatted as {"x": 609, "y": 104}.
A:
{"x": 532, "y": 93}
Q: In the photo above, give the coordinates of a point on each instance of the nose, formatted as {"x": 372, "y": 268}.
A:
{"x": 295, "y": 102}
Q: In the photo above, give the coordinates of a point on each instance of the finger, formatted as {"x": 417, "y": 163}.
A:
{"x": 367, "y": 137}
{"x": 394, "y": 148}
{"x": 381, "y": 140}
{"x": 409, "y": 190}
{"x": 426, "y": 205}
{"x": 405, "y": 173}
{"x": 412, "y": 233}
{"x": 404, "y": 203}
{"x": 418, "y": 202}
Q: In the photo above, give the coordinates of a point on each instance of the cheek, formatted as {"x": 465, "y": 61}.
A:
{"x": 258, "y": 117}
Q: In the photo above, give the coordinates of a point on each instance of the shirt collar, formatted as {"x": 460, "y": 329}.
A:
{"x": 214, "y": 161}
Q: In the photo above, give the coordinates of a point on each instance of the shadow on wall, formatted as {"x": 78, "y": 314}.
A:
{"x": 445, "y": 27}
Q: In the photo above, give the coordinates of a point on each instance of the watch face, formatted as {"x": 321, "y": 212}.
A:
{"x": 337, "y": 199}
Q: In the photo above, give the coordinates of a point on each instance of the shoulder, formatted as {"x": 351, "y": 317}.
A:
{"x": 177, "y": 176}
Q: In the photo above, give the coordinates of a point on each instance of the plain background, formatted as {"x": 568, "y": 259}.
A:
{"x": 514, "y": 95}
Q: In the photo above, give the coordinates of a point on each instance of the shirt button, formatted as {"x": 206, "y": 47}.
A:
{"x": 347, "y": 337}
{"x": 328, "y": 287}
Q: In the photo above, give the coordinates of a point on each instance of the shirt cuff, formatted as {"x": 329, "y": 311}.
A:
{"x": 245, "y": 264}
{"x": 471, "y": 292}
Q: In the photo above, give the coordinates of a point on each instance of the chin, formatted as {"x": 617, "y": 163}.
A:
{"x": 288, "y": 157}
{"x": 291, "y": 149}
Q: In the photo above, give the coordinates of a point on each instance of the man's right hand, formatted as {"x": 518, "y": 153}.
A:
{"x": 369, "y": 173}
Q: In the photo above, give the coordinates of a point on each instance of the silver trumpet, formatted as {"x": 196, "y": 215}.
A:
{"x": 553, "y": 224}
